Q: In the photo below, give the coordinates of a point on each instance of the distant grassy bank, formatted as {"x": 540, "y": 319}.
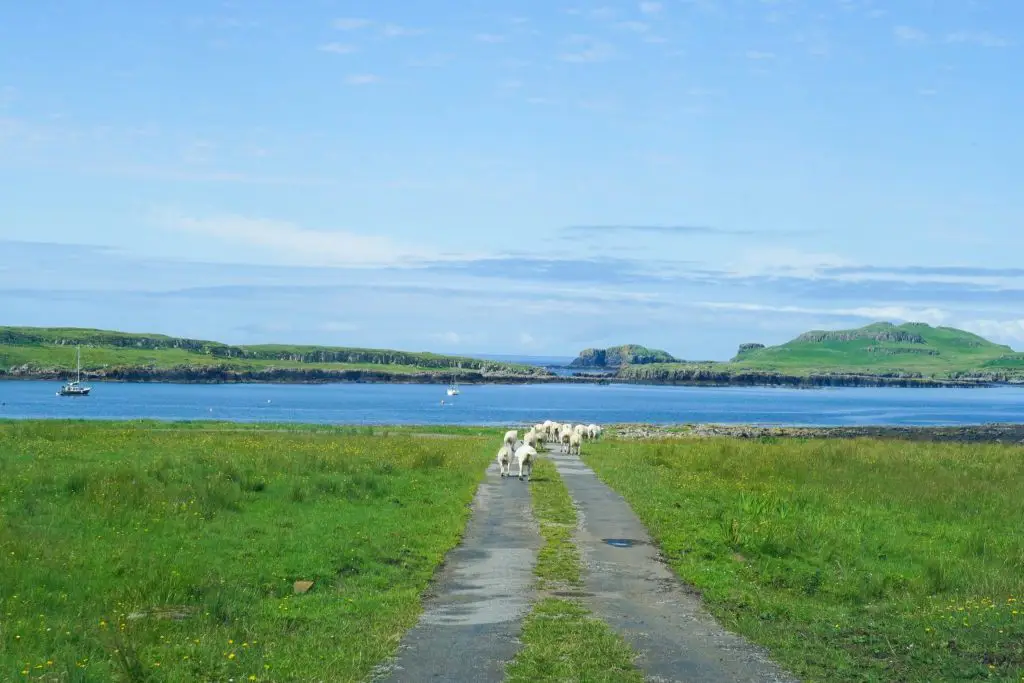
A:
{"x": 139, "y": 552}
{"x": 49, "y": 353}
{"x": 851, "y": 560}
{"x": 880, "y": 355}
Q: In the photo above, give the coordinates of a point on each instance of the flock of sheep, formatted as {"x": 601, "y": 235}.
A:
{"x": 568, "y": 436}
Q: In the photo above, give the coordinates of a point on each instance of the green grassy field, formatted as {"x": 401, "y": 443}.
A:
{"x": 853, "y": 560}
{"x": 136, "y": 553}
{"x": 561, "y": 640}
{"x": 877, "y": 349}
{"x": 883, "y": 348}
{"x": 47, "y": 348}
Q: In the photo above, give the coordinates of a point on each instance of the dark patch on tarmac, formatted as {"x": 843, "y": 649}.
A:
{"x": 640, "y": 597}
{"x": 469, "y": 629}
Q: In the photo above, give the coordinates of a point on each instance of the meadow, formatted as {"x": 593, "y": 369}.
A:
{"x": 131, "y": 552}
{"x": 851, "y": 560}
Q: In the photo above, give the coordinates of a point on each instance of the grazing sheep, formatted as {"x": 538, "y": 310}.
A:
{"x": 510, "y": 437}
{"x": 525, "y": 456}
{"x": 575, "y": 439}
{"x": 505, "y": 461}
{"x": 592, "y": 431}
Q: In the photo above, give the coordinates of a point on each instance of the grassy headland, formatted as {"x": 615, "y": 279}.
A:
{"x": 132, "y": 553}
{"x": 881, "y": 354}
{"x": 561, "y": 640}
{"x": 48, "y": 353}
{"x": 851, "y": 560}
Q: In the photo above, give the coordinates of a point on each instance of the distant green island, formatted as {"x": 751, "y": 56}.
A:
{"x": 880, "y": 354}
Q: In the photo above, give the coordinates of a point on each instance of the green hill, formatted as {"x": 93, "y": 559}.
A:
{"x": 49, "y": 352}
{"x": 617, "y": 356}
{"x": 880, "y": 351}
{"x": 882, "y": 348}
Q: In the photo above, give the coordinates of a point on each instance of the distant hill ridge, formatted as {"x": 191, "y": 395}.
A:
{"x": 39, "y": 347}
{"x": 617, "y": 356}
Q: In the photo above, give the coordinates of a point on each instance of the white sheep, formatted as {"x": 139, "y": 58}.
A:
{"x": 552, "y": 431}
{"x": 595, "y": 431}
{"x": 531, "y": 439}
{"x": 510, "y": 437}
{"x": 505, "y": 461}
{"x": 525, "y": 456}
{"x": 575, "y": 439}
{"x": 564, "y": 437}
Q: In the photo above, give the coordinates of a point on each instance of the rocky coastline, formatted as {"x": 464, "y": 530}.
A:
{"x": 1007, "y": 433}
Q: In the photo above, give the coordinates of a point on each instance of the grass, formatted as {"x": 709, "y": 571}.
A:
{"x": 911, "y": 349}
{"x": 106, "y": 529}
{"x": 49, "y": 347}
{"x": 851, "y": 560}
{"x": 561, "y": 640}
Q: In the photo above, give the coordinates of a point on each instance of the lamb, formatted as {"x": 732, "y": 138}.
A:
{"x": 505, "y": 461}
{"x": 564, "y": 439}
{"x": 525, "y": 456}
{"x": 510, "y": 437}
{"x": 575, "y": 439}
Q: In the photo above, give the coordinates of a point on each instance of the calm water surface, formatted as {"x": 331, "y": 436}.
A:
{"x": 508, "y": 404}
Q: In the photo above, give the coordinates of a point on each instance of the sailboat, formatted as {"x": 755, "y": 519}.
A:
{"x": 453, "y": 388}
{"x": 75, "y": 388}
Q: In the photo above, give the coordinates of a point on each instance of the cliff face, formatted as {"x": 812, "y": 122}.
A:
{"x": 617, "y": 356}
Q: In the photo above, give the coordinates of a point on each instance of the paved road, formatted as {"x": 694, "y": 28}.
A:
{"x": 642, "y": 599}
{"x": 473, "y": 614}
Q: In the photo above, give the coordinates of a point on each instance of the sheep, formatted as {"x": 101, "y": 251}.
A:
{"x": 505, "y": 461}
{"x": 575, "y": 439}
{"x": 525, "y": 456}
{"x": 592, "y": 431}
{"x": 552, "y": 431}
{"x": 510, "y": 437}
{"x": 531, "y": 439}
{"x": 595, "y": 431}
{"x": 579, "y": 429}
{"x": 564, "y": 439}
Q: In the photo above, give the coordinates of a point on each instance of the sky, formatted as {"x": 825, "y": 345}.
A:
{"x": 529, "y": 177}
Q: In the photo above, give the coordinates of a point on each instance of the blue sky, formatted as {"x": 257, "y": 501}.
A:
{"x": 524, "y": 177}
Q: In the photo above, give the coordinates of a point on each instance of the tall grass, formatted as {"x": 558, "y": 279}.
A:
{"x": 854, "y": 560}
{"x": 138, "y": 554}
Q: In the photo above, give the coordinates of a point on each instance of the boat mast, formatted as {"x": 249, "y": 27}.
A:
{"x": 79, "y": 364}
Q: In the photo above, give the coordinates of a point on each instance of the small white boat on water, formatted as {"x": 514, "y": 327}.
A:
{"x": 75, "y": 388}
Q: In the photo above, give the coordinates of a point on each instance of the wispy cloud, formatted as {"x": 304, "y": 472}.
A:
{"x": 910, "y": 35}
{"x": 338, "y": 48}
{"x": 583, "y": 230}
{"x": 361, "y": 79}
{"x": 981, "y": 38}
{"x": 351, "y": 24}
{"x": 587, "y": 50}
{"x": 932, "y": 316}
{"x": 651, "y": 7}
{"x": 290, "y": 243}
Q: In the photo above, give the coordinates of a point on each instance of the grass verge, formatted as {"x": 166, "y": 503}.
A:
{"x": 851, "y": 560}
{"x": 561, "y": 640}
{"x": 138, "y": 554}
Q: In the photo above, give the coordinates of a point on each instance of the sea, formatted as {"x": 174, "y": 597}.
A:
{"x": 494, "y": 405}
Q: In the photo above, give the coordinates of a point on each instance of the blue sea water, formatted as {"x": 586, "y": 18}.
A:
{"x": 515, "y": 404}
